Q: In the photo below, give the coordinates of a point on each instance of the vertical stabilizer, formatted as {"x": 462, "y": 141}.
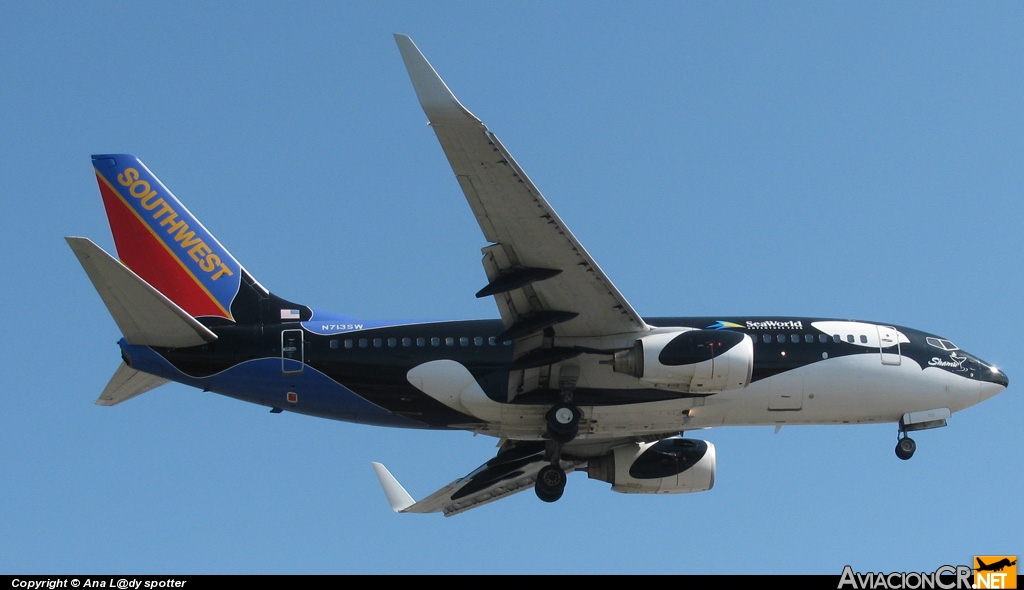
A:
{"x": 162, "y": 242}
{"x": 159, "y": 240}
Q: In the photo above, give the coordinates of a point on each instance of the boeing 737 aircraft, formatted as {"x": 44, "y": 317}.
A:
{"x": 571, "y": 378}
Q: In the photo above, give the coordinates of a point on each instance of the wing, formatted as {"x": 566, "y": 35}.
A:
{"x": 513, "y": 470}
{"x": 540, "y": 276}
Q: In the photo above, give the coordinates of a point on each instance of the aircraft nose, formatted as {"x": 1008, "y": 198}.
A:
{"x": 998, "y": 377}
{"x": 993, "y": 381}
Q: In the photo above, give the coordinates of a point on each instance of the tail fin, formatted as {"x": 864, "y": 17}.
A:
{"x": 164, "y": 244}
{"x": 174, "y": 280}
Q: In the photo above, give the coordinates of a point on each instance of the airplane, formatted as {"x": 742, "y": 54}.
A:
{"x": 996, "y": 566}
{"x": 570, "y": 378}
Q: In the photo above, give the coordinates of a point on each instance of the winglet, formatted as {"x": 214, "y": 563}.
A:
{"x": 437, "y": 100}
{"x": 397, "y": 496}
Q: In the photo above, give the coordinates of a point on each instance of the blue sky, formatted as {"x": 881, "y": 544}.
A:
{"x": 849, "y": 160}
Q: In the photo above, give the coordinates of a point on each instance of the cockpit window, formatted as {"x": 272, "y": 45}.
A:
{"x": 942, "y": 343}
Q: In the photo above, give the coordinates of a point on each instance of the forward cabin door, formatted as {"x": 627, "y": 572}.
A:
{"x": 889, "y": 345}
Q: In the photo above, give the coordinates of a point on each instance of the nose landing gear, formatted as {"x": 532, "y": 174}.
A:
{"x": 925, "y": 420}
{"x": 905, "y": 446}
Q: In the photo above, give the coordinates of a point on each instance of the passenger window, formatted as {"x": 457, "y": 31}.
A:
{"x": 464, "y": 341}
{"x": 849, "y": 338}
{"x": 794, "y": 338}
{"x": 406, "y": 341}
{"x": 492, "y": 341}
{"x": 781, "y": 338}
{"x": 808, "y": 338}
{"x": 479, "y": 341}
{"x": 348, "y": 343}
{"x": 823, "y": 338}
{"x": 863, "y": 339}
{"x": 766, "y": 338}
{"x": 836, "y": 338}
{"x": 362, "y": 343}
{"x": 421, "y": 342}
{"x": 449, "y": 341}
{"x": 334, "y": 343}
{"x": 392, "y": 342}
{"x": 435, "y": 341}
{"x": 377, "y": 342}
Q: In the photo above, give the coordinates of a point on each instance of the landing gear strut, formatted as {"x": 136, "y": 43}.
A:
{"x": 905, "y": 446}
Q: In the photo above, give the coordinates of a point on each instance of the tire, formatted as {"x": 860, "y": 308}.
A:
{"x": 550, "y": 483}
{"x": 546, "y": 497}
{"x": 905, "y": 448}
{"x": 563, "y": 421}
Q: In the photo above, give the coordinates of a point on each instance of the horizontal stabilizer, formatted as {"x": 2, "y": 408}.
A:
{"x": 126, "y": 384}
{"x": 144, "y": 315}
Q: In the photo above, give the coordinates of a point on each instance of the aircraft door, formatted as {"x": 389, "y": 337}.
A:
{"x": 889, "y": 345}
{"x": 291, "y": 351}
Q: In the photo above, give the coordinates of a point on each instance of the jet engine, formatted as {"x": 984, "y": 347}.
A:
{"x": 695, "y": 361}
{"x": 673, "y": 465}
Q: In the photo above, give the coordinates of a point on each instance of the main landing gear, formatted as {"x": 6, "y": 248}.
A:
{"x": 550, "y": 483}
{"x": 563, "y": 421}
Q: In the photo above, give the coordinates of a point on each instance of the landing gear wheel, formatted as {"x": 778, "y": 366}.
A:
{"x": 550, "y": 483}
{"x": 553, "y": 497}
{"x": 905, "y": 448}
{"x": 564, "y": 422}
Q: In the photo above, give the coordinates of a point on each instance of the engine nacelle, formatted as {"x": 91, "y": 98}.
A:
{"x": 695, "y": 361}
{"x": 673, "y": 465}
